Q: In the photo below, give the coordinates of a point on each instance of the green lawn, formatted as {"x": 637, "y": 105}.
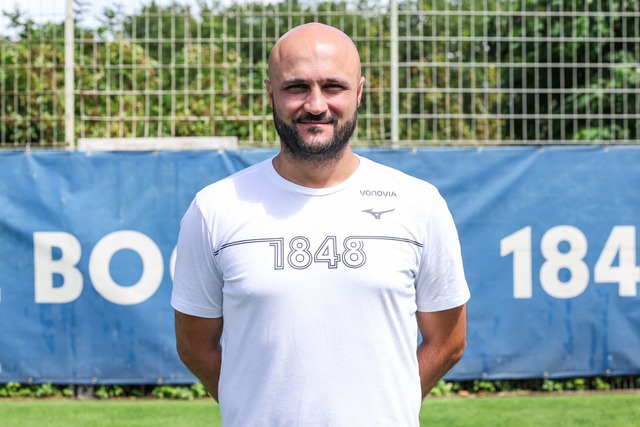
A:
{"x": 108, "y": 413}
{"x": 568, "y": 410}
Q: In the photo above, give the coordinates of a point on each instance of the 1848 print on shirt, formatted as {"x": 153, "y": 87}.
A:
{"x": 351, "y": 226}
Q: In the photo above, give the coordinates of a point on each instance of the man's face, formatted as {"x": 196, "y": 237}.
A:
{"x": 314, "y": 92}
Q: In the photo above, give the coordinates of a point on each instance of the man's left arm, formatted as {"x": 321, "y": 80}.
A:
{"x": 444, "y": 339}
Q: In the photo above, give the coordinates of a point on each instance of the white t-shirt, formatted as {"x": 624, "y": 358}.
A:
{"x": 318, "y": 289}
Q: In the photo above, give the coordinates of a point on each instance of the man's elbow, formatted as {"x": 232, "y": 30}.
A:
{"x": 453, "y": 349}
{"x": 185, "y": 352}
{"x": 189, "y": 352}
{"x": 458, "y": 350}
{"x": 193, "y": 353}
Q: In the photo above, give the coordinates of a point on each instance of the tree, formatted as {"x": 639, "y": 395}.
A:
{"x": 587, "y": 78}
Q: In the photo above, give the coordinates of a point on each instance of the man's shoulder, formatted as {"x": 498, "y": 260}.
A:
{"x": 393, "y": 176}
{"x": 245, "y": 177}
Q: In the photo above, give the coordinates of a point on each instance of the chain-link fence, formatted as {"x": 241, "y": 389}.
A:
{"x": 438, "y": 72}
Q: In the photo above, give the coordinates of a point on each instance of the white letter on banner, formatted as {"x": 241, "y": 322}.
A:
{"x": 152, "y": 266}
{"x": 45, "y": 267}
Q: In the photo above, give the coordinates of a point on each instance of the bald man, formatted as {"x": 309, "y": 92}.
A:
{"x": 301, "y": 282}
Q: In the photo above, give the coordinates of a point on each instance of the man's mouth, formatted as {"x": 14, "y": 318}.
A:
{"x": 306, "y": 120}
{"x": 314, "y": 123}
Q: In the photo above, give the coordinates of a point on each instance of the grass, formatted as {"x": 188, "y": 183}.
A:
{"x": 108, "y": 413}
{"x": 559, "y": 410}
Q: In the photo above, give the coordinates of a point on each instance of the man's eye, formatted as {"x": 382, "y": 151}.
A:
{"x": 295, "y": 88}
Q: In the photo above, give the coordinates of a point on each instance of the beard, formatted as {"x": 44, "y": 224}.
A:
{"x": 321, "y": 152}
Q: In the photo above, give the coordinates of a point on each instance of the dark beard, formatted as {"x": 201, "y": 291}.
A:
{"x": 294, "y": 145}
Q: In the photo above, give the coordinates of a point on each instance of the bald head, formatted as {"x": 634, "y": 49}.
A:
{"x": 312, "y": 41}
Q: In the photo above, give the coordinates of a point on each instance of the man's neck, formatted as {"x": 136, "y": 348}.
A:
{"x": 308, "y": 173}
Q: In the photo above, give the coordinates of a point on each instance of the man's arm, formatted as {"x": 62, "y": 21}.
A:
{"x": 198, "y": 343}
{"x": 443, "y": 343}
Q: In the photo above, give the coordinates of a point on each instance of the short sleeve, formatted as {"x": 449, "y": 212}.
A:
{"x": 197, "y": 283}
{"x": 441, "y": 282}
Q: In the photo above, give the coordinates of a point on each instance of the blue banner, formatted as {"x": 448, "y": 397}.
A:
{"x": 549, "y": 240}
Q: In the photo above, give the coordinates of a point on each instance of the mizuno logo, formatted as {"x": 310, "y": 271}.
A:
{"x": 378, "y": 214}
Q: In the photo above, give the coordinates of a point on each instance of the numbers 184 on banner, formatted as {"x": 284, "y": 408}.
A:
{"x": 564, "y": 273}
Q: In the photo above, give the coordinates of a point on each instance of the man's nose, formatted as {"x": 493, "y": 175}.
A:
{"x": 315, "y": 102}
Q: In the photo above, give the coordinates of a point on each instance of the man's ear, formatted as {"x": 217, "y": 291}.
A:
{"x": 267, "y": 84}
{"x": 360, "y": 90}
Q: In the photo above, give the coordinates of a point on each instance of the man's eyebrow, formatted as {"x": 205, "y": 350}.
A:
{"x": 339, "y": 81}
{"x": 293, "y": 82}
{"x": 298, "y": 81}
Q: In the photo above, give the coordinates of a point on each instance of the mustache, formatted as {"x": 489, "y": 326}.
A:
{"x": 314, "y": 118}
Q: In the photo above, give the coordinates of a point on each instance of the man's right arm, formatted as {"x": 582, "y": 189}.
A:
{"x": 198, "y": 343}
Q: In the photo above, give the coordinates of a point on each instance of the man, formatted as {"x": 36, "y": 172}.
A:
{"x": 316, "y": 268}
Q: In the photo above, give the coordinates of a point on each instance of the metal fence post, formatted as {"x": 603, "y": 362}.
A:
{"x": 69, "y": 77}
{"x": 395, "y": 120}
